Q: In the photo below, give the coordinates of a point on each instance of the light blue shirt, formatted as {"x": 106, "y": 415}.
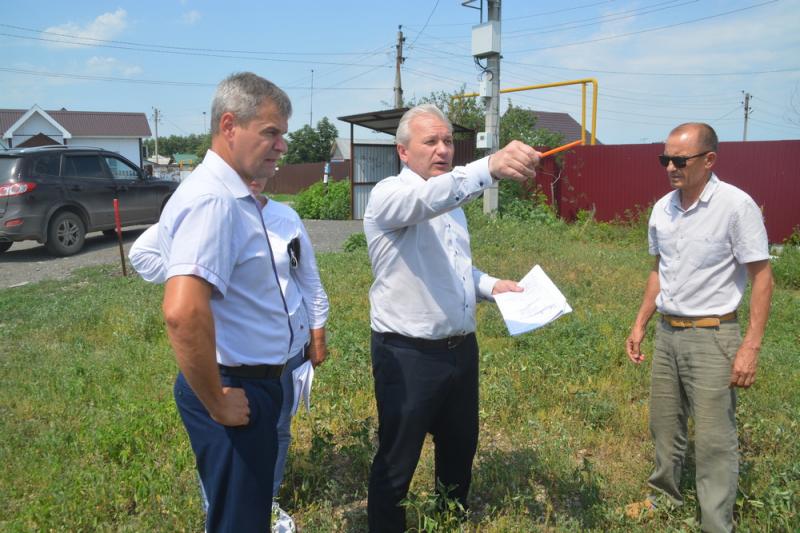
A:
{"x": 212, "y": 228}
{"x": 425, "y": 285}
{"x": 305, "y": 296}
{"x": 705, "y": 249}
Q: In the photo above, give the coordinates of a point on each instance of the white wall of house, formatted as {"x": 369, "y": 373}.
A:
{"x": 36, "y": 124}
{"x": 127, "y": 147}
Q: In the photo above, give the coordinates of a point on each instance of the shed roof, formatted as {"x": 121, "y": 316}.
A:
{"x": 340, "y": 149}
{"x": 386, "y": 121}
{"x": 88, "y": 123}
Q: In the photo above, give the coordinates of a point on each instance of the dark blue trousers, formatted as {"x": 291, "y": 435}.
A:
{"x": 419, "y": 391}
{"x": 236, "y": 464}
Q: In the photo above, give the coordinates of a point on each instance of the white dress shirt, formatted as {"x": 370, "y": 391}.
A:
{"x": 212, "y": 229}
{"x": 425, "y": 285}
{"x": 305, "y": 297}
{"x": 704, "y": 249}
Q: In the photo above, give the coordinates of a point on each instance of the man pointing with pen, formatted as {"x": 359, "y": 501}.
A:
{"x": 424, "y": 352}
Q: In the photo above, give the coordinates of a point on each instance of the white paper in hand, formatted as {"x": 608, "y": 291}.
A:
{"x": 539, "y": 304}
{"x": 302, "y": 376}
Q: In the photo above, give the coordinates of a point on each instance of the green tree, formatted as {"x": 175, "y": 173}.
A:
{"x": 179, "y": 144}
{"x": 467, "y": 112}
{"x": 309, "y": 145}
{"x": 518, "y": 123}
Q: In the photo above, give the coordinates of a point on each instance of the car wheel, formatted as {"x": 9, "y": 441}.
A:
{"x": 5, "y": 245}
{"x": 66, "y": 234}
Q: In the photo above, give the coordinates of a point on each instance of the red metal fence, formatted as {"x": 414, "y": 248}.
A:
{"x": 618, "y": 180}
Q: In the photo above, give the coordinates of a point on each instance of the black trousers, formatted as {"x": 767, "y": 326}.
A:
{"x": 420, "y": 390}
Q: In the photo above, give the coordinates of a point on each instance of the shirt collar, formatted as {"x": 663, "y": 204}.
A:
{"x": 708, "y": 191}
{"x": 224, "y": 173}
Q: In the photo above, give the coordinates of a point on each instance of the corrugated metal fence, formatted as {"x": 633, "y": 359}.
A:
{"x": 291, "y": 179}
{"x": 618, "y": 180}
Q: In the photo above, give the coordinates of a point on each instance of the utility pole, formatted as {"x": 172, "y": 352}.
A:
{"x": 155, "y": 122}
{"x": 492, "y": 126}
{"x": 311, "y": 104}
{"x": 747, "y": 111}
{"x": 398, "y": 86}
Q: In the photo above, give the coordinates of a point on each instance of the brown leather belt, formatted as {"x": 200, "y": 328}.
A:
{"x": 698, "y": 321}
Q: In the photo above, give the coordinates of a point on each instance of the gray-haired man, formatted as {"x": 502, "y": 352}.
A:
{"x": 424, "y": 352}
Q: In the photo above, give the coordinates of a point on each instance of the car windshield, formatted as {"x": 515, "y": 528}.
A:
{"x": 7, "y": 168}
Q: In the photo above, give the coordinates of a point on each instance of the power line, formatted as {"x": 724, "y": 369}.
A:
{"x": 171, "y": 47}
{"x": 618, "y": 36}
{"x": 165, "y": 82}
{"x": 183, "y": 53}
{"x": 593, "y": 21}
{"x": 426, "y": 23}
{"x": 664, "y": 74}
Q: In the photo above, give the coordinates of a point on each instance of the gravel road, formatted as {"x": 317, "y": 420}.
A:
{"x": 29, "y": 262}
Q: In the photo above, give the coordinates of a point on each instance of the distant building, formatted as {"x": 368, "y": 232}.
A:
{"x": 340, "y": 151}
{"x": 118, "y": 132}
{"x": 561, "y": 123}
{"x": 185, "y": 160}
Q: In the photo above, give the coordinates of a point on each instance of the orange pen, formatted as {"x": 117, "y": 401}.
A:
{"x": 560, "y": 148}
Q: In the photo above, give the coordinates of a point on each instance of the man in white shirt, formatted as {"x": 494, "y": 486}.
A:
{"x": 226, "y": 315}
{"x": 707, "y": 237}
{"x": 422, "y": 309}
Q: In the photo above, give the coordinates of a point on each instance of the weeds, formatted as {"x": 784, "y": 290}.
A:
{"x": 92, "y": 440}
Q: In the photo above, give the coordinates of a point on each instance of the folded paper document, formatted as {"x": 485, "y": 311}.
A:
{"x": 302, "y": 376}
{"x": 539, "y": 304}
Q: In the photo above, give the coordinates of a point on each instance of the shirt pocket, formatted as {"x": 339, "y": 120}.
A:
{"x": 706, "y": 251}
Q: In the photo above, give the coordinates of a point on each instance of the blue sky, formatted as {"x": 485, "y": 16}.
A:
{"x": 658, "y": 62}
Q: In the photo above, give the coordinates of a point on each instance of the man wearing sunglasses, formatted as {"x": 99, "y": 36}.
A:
{"x": 707, "y": 237}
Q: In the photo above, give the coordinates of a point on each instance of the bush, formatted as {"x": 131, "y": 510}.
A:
{"x": 517, "y": 203}
{"x": 356, "y": 241}
{"x": 786, "y": 268}
{"x": 319, "y": 202}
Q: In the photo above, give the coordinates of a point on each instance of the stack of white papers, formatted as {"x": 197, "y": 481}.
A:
{"x": 539, "y": 304}
{"x": 302, "y": 376}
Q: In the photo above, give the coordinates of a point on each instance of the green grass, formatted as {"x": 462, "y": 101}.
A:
{"x": 91, "y": 440}
{"x": 283, "y": 198}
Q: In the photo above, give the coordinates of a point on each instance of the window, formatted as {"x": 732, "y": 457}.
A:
{"x": 120, "y": 169}
{"x": 46, "y": 165}
{"x": 83, "y": 166}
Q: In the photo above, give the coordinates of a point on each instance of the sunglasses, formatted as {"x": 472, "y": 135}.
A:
{"x": 678, "y": 160}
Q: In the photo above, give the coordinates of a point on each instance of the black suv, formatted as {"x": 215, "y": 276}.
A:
{"x": 56, "y": 194}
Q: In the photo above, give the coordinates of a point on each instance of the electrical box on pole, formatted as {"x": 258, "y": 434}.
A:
{"x": 486, "y": 39}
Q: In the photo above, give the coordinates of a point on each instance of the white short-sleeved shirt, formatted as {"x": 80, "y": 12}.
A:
{"x": 425, "y": 285}
{"x": 704, "y": 249}
{"x": 212, "y": 228}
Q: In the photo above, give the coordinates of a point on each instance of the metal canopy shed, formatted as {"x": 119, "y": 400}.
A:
{"x": 371, "y": 163}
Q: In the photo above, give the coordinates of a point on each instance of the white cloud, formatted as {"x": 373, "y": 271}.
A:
{"x": 111, "y": 66}
{"x": 191, "y": 17}
{"x": 104, "y": 27}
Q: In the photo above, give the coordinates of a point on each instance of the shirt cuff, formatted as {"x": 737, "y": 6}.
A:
{"x": 477, "y": 177}
{"x": 486, "y": 285}
{"x": 199, "y": 272}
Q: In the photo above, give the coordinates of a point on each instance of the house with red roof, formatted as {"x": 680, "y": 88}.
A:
{"x": 116, "y": 131}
